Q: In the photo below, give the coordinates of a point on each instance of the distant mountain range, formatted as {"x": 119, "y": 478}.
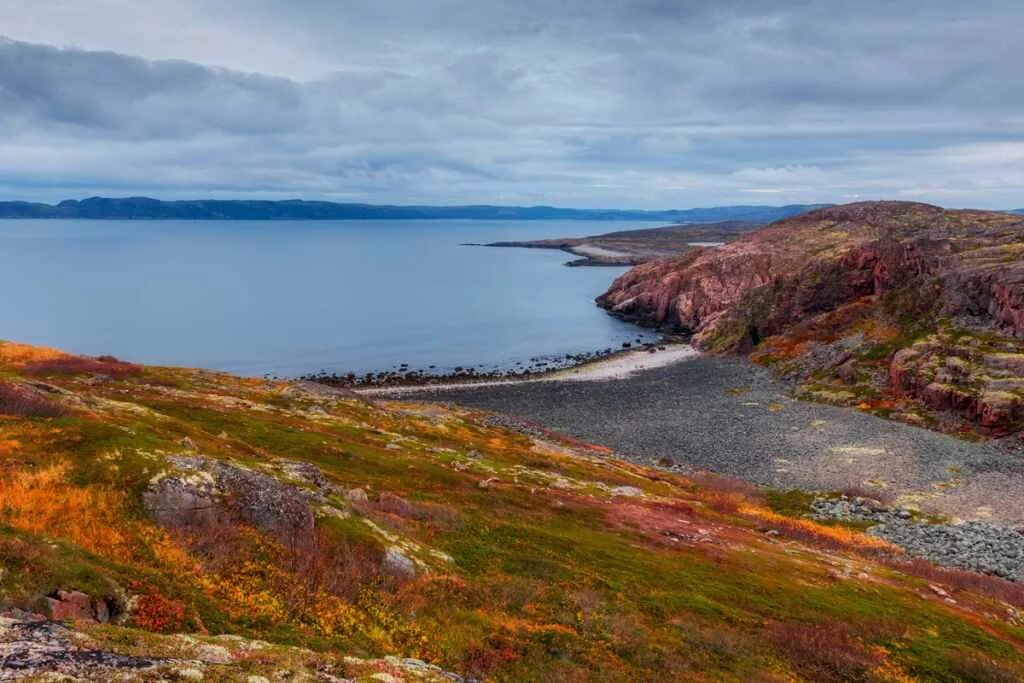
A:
{"x": 296, "y": 209}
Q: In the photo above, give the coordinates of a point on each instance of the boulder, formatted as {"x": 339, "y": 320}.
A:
{"x": 308, "y": 472}
{"x": 183, "y": 501}
{"x": 75, "y": 606}
{"x": 398, "y": 563}
{"x": 204, "y": 490}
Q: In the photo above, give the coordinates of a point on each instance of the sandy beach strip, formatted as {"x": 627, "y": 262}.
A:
{"x": 618, "y": 366}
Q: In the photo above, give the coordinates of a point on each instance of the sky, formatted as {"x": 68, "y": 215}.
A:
{"x": 610, "y": 103}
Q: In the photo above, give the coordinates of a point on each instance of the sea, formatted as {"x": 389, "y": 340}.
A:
{"x": 291, "y": 298}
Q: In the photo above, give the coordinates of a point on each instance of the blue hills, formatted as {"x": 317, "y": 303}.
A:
{"x": 129, "y": 208}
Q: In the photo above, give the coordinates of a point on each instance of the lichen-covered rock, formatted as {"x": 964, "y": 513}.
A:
{"x": 307, "y": 472}
{"x": 203, "y": 489}
{"x": 954, "y": 373}
{"x": 398, "y": 563}
{"x": 356, "y": 496}
{"x": 189, "y": 499}
{"x": 34, "y": 648}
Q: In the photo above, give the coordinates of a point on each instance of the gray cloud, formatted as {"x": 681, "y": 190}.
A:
{"x": 647, "y": 103}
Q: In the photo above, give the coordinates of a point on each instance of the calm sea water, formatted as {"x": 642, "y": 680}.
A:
{"x": 295, "y": 297}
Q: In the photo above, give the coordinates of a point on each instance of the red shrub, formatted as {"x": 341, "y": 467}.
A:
{"x": 722, "y": 484}
{"x": 83, "y": 365}
{"x": 496, "y": 652}
{"x": 431, "y": 513}
{"x": 396, "y": 505}
{"x": 959, "y": 579}
{"x": 976, "y": 667}
{"x": 152, "y": 611}
{"x": 20, "y": 401}
{"x": 827, "y": 651}
{"x": 336, "y": 567}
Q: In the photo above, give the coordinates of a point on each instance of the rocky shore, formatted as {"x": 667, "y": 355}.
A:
{"x": 824, "y": 301}
{"x": 614, "y": 366}
{"x": 955, "y": 503}
{"x": 539, "y": 367}
{"x": 734, "y": 418}
{"x": 977, "y": 546}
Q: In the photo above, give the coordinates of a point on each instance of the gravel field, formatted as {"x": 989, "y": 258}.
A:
{"x": 733, "y": 418}
{"x": 977, "y": 546}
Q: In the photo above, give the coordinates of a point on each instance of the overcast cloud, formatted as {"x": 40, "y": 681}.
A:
{"x": 618, "y": 103}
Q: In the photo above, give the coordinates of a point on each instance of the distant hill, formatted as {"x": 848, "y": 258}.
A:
{"x": 296, "y": 209}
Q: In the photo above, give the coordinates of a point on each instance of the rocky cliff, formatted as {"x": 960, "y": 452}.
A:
{"x": 862, "y": 301}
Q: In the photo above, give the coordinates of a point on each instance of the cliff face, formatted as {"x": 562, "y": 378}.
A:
{"x": 880, "y": 275}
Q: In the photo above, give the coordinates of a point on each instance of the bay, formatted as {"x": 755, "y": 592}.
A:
{"x": 287, "y": 298}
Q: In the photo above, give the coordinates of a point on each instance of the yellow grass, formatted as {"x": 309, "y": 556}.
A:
{"x": 15, "y": 354}
{"x": 848, "y": 537}
{"x": 43, "y": 502}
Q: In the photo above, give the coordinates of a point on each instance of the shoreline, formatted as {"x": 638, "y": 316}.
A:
{"x": 733, "y": 418}
{"x": 618, "y": 365}
{"x": 634, "y": 247}
{"x": 588, "y": 255}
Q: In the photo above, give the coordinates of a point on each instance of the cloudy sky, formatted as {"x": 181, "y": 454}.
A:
{"x": 610, "y": 103}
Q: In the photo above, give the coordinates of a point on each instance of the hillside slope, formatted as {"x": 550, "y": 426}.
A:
{"x": 412, "y": 541}
{"x": 898, "y": 307}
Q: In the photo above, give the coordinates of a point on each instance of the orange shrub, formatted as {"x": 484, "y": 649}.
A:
{"x": 806, "y": 530}
{"x": 12, "y": 353}
{"x": 255, "y": 578}
{"x": 43, "y": 502}
{"x": 494, "y": 652}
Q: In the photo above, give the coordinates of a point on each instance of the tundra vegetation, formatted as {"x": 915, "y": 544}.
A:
{"x": 225, "y": 527}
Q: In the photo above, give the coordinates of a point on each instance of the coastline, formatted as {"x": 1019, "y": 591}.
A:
{"x": 588, "y": 254}
{"x": 731, "y": 417}
{"x": 619, "y": 365}
{"x": 634, "y": 247}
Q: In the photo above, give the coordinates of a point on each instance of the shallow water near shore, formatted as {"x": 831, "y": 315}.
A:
{"x": 295, "y": 297}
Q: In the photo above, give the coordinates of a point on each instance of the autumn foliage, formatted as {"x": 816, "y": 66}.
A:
{"x": 810, "y": 531}
{"x": 43, "y": 502}
{"x": 546, "y": 575}
{"x": 82, "y": 365}
{"x": 152, "y": 611}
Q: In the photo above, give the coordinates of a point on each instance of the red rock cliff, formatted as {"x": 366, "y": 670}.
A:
{"x": 812, "y": 263}
{"x": 915, "y": 265}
